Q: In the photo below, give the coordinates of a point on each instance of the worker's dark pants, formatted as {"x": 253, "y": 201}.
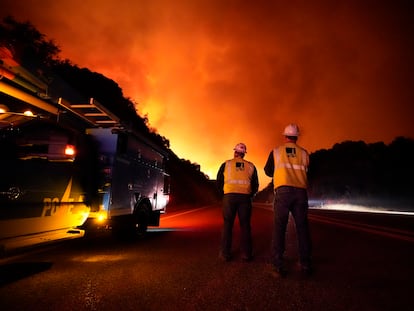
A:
{"x": 295, "y": 201}
{"x": 240, "y": 204}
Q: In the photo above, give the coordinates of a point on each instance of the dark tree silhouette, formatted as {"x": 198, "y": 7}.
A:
{"x": 354, "y": 170}
{"x": 30, "y": 48}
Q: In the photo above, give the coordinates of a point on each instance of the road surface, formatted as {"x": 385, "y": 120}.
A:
{"x": 362, "y": 262}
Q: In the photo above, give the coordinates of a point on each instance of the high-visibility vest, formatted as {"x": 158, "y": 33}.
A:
{"x": 237, "y": 176}
{"x": 291, "y": 164}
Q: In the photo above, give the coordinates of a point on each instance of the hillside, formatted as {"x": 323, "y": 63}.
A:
{"x": 33, "y": 52}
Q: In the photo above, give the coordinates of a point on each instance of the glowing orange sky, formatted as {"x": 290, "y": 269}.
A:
{"x": 212, "y": 73}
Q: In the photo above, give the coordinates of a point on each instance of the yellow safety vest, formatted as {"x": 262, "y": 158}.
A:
{"x": 237, "y": 176}
{"x": 291, "y": 164}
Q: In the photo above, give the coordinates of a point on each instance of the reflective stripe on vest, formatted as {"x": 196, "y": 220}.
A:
{"x": 237, "y": 176}
{"x": 290, "y": 167}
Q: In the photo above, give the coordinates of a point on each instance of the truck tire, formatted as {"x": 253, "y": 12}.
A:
{"x": 142, "y": 216}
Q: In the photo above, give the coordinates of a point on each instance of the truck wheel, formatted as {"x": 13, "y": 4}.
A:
{"x": 142, "y": 219}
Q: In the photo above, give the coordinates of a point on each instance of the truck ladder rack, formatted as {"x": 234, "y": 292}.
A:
{"x": 93, "y": 113}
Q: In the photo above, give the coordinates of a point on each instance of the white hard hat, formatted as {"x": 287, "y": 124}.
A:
{"x": 240, "y": 148}
{"x": 291, "y": 130}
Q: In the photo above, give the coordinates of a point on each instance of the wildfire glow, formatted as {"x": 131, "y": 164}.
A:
{"x": 210, "y": 74}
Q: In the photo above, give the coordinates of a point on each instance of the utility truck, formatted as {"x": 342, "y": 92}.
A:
{"x": 67, "y": 168}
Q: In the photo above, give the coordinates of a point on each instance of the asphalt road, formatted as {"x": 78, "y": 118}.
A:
{"x": 362, "y": 262}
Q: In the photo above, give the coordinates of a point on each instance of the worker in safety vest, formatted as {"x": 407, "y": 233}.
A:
{"x": 288, "y": 165}
{"x": 237, "y": 180}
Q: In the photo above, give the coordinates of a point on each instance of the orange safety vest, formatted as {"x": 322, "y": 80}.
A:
{"x": 291, "y": 165}
{"x": 237, "y": 176}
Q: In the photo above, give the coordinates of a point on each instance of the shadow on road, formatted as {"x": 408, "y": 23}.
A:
{"x": 15, "y": 271}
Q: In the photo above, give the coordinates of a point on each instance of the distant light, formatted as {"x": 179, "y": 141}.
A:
{"x": 28, "y": 113}
{"x": 361, "y": 208}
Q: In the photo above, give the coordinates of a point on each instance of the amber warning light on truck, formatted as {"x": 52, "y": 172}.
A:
{"x": 70, "y": 150}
